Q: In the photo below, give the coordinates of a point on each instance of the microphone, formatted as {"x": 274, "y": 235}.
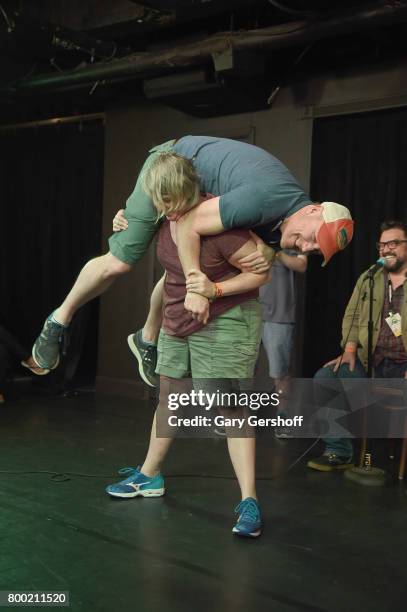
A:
{"x": 373, "y": 269}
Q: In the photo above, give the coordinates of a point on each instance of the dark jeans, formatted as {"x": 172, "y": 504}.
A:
{"x": 11, "y": 351}
{"x": 386, "y": 369}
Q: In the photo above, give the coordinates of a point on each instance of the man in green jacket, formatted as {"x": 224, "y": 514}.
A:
{"x": 389, "y": 344}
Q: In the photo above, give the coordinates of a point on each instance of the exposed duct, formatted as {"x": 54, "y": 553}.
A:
{"x": 147, "y": 63}
{"x": 18, "y": 35}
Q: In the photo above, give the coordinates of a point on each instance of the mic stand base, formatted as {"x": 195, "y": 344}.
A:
{"x": 368, "y": 477}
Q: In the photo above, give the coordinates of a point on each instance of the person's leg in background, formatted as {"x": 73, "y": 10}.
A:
{"x": 277, "y": 339}
{"x": 390, "y": 369}
{"x": 338, "y": 453}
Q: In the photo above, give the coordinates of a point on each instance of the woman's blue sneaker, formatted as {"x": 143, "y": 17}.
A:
{"x": 249, "y": 523}
{"x": 137, "y": 484}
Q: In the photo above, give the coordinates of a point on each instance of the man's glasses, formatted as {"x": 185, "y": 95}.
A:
{"x": 390, "y": 244}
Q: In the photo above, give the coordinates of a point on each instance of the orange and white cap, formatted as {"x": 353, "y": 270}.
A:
{"x": 336, "y": 231}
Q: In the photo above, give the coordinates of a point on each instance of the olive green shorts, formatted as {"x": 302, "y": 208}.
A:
{"x": 225, "y": 348}
{"x": 130, "y": 245}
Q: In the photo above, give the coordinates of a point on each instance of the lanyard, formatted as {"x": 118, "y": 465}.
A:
{"x": 390, "y": 290}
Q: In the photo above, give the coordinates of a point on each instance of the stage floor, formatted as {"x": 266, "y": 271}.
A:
{"x": 328, "y": 544}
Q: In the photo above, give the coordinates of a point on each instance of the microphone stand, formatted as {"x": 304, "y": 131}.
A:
{"x": 365, "y": 474}
{"x": 370, "y": 277}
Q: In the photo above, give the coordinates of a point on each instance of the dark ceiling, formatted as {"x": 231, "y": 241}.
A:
{"x": 205, "y": 57}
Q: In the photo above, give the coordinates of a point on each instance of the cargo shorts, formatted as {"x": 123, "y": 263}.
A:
{"x": 130, "y": 245}
{"x": 226, "y": 348}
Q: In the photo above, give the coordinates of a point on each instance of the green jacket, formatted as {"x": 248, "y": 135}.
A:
{"x": 355, "y": 320}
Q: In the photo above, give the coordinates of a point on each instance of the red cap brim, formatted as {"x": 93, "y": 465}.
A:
{"x": 333, "y": 237}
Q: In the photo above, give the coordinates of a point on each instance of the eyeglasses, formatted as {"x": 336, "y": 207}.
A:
{"x": 390, "y": 244}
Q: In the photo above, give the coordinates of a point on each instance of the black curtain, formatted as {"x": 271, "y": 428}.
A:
{"x": 51, "y": 189}
{"x": 358, "y": 160}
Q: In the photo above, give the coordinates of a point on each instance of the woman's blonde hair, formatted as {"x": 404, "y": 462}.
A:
{"x": 172, "y": 183}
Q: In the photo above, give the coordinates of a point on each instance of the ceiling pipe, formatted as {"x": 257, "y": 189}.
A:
{"x": 46, "y": 36}
{"x": 147, "y": 63}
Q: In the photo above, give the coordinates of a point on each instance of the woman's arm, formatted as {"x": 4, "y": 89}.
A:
{"x": 201, "y": 220}
{"x": 205, "y": 220}
{"x": 198, "y": 282}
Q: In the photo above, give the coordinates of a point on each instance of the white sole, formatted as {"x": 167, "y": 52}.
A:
{"x": 254, "y": 534}
{"x": 39, "y": 365}
{"x": 43, "y": 373}
{"x": 135, "y": 351}
{"x": 145, "y": 493}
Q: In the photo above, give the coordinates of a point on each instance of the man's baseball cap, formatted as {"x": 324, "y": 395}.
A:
{"x": 336, "y": 231}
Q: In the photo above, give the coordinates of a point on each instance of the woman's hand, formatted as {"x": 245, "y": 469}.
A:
{"x": 198, "y": 282}
{"x": 120, "y": 222}
{"x": 198, "y": 306}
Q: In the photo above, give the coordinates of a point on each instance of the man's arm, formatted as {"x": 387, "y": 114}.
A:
{"x": 203, "y": 220}
{"x": 296, "y": 263}
{"x": 350, "y": 322}
{"x": 350, "y": 332}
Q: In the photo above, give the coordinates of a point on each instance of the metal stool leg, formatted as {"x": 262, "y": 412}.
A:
{"x": 363, "y": 449}
{"x": 403, "y": 459}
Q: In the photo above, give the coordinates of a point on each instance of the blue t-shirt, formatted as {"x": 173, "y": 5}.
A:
{"x": 255, "y": 188}
{"x": 277, "y": 297}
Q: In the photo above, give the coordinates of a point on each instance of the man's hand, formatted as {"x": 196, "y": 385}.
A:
{"x": 347, "y": 357}
{"x": 259, "y": 261}
{"x": 198, "y": 282}
{"x": 198, "y": 306}
{"x": 120, "y": 222}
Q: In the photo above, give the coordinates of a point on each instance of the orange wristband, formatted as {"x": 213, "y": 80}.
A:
{"x": 350, "y": 349}
{"x": 218, "y": 291}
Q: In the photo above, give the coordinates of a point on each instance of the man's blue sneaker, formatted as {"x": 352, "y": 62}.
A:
{"x": 51, "y": 341}
{"x": 249, "y": 523}
{"x": 137, "y": 484}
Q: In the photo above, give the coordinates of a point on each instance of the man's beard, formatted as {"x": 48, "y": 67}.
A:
{"x": 393, "y": 265}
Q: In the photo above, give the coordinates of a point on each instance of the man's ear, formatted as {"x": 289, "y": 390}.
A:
{"x": 314, "y": 209}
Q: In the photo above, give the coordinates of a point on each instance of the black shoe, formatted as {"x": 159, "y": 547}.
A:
{"x": 329, "y": 462}
{"x": 146, "y": 355}
{"x": 220, "y": 431}
{"x": 283, "y": 433}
